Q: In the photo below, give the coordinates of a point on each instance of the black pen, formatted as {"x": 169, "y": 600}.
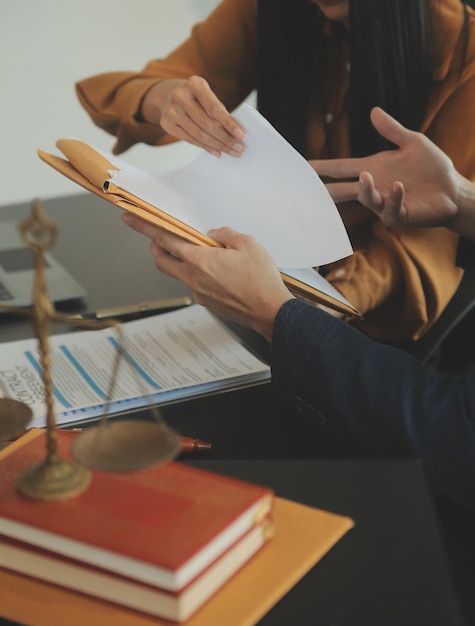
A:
{"x": 136, "y": 310}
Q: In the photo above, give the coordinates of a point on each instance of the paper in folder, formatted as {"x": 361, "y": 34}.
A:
{"x": 271, "y": 192}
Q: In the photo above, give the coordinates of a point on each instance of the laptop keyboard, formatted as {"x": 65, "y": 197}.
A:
{"x": 4, "y": 293}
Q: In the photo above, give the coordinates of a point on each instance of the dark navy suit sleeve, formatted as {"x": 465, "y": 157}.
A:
{"x": 376, "y": 395}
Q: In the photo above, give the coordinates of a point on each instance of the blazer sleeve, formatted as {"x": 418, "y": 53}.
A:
{"x": 376, "y": 396}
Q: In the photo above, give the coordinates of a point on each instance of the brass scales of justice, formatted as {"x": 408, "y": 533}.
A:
{"x": 120, "y": 446}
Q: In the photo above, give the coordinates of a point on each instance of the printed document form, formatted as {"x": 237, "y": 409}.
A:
{"x": 167, "y": 357}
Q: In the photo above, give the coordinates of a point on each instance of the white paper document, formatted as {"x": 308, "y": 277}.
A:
{"x": 174, "y": 355}
{"x": 271, "y": 192}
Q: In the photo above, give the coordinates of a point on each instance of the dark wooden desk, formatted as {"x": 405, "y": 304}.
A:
{"x": 391, "y": 569}
{"x": 387, "y": 570}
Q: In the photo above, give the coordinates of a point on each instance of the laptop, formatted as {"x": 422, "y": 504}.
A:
{"x": 17, "y": 272}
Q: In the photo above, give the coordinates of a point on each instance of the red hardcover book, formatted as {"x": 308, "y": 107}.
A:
{"x": 304, "y": 535}
{"x": 69, "y": 573}
{"x": 161, "y": 526}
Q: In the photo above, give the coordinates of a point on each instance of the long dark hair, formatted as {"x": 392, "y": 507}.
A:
{"x": 390, "y": 51}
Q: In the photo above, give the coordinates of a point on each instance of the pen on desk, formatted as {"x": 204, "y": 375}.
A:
{"x": 188, "y": 444}
{"x": 121, "y": 312}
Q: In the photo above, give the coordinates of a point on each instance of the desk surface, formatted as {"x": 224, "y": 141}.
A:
{"x": 387, "y": 570}
{"x": 391, "y": 568}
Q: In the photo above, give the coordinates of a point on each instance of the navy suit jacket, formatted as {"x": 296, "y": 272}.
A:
{"x": 376, "y": 395}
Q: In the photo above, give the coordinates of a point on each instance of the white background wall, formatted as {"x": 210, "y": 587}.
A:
{"x": 45, "y": 47}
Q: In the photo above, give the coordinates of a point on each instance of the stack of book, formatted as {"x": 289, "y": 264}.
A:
{"x": 161, "y": 540}
{"x": 168, "y": 543}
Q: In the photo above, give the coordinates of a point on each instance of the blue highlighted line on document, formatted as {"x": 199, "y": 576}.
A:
{"x": 58, "y": 395}
{"x": 72, "y": 359}
{"x": 133, "y": 363}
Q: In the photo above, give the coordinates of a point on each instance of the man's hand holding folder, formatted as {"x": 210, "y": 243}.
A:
{"x": 271, "y": 193}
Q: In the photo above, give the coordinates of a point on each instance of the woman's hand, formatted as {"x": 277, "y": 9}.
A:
{"x": 190, "y": 111}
